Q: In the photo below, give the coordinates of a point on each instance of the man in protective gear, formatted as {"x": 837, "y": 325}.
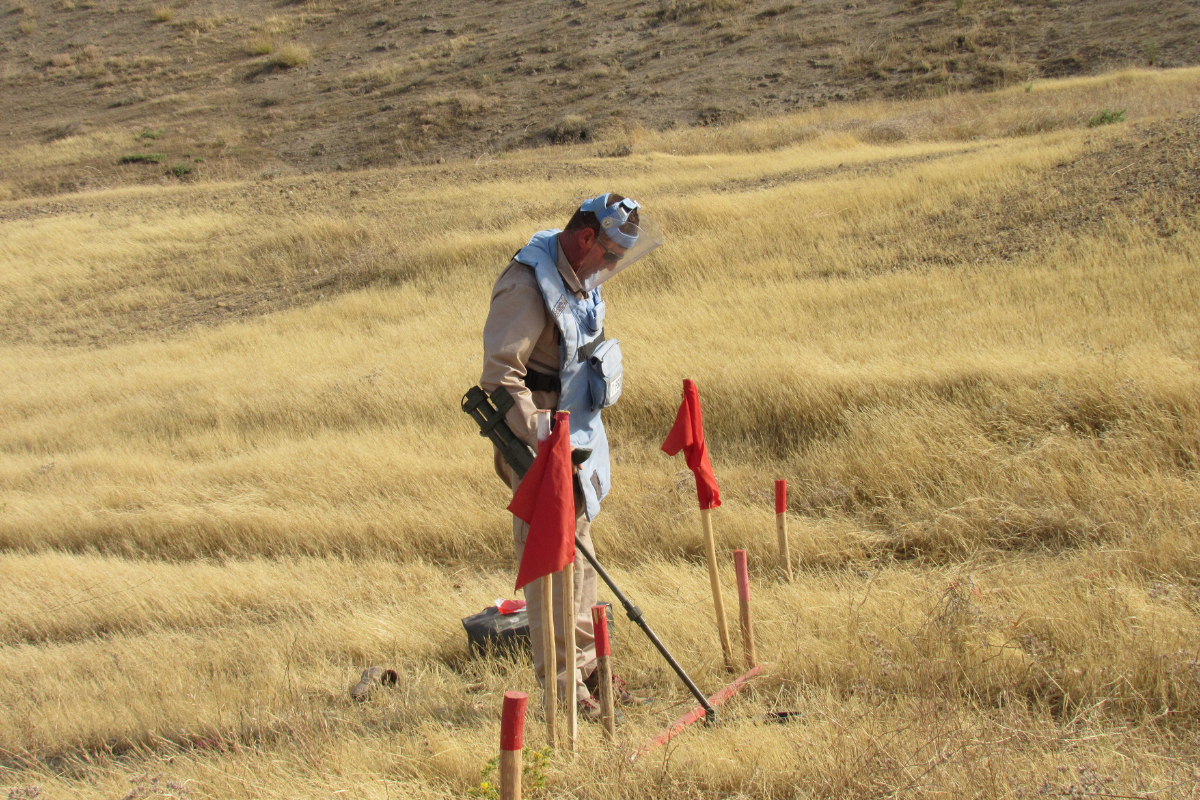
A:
{"x": 544, "y": 343}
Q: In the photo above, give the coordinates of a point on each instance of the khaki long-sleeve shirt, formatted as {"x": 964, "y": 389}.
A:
{"x": 519, "y": 336}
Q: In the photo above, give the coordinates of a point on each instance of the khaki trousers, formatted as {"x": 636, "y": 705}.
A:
{"x": 585, "y": 598}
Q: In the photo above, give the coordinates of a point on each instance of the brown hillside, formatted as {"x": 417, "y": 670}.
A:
{"x": 97, "y": 93}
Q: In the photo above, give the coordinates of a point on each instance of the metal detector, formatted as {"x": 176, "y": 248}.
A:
{"x": 488, "y": 413}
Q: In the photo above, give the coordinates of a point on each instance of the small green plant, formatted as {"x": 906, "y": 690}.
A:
{"x": 142, "y": 158}
{"x": 27, "y": 26}
{"x": 1106, "y": 117}
{"x": 163, "y": 14}
{"x": 179, "y": 170}
{"x": 958, "y": 5}
{"x": 775, "y": 11}
{"x": 1152, "y": 52}
{"x": 150, "y": 134}
{"x": 533, "y": 775}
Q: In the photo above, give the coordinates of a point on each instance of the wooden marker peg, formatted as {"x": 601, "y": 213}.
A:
{"x": 743, "y": 582}
{"x": 550, "y": 683}
{"x": 570, "y": 668}
{"x": 512, "y": 739}
{"x": 785, "y": 556}
{"x": 604, "y": 669}
{"x": 710, "y": 552}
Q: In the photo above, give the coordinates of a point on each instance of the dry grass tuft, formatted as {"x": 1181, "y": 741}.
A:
{"x": 260, "y": 46}
{"x": 290, "y": 55}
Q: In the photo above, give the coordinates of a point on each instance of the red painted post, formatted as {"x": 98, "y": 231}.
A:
{"x": 785, "y": 556}
{"x": 604, "y": 668}
{"x": 743, "y": 584}
{"x": 512, "y": 740}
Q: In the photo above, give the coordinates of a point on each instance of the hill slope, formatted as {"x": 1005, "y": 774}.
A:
{"x": 104, "y": 93}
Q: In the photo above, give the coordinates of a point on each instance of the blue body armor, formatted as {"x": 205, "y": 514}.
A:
{"x": 589, "y": 366}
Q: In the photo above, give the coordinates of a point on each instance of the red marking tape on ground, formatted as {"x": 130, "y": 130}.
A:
{"x": 697, "y": 713}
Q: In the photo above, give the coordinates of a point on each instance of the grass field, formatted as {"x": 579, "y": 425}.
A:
{"x": 233, "y": 472}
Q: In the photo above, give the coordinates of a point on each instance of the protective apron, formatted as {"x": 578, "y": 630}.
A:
{"x": 581, "y": 323}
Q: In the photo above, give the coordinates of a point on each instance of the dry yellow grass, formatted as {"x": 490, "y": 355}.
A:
{"x": 233, "y": 472}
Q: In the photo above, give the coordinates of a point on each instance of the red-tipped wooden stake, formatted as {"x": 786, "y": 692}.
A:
{"x": 785, "y": 556}
{"x": 604, "y": 669}
{"x": 710, "y": 554}
{"x": 570, "y": 668}
{"x": 512, "y": 738}
{"x": 550, "y": 684}
{"x": 549, "y": 659}
{"x": 743, "y": 583}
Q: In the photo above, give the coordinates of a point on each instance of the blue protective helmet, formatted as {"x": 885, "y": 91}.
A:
{"x": 634, "y": 239}
{"x": 613, "y": 218}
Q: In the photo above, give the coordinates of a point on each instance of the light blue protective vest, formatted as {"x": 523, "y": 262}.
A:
{"x": 581, "y": 323}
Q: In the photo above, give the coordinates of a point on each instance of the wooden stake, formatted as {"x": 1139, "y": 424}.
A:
{"x": 743, "y": 582}
{"x": 550, "y": 684}
{"x": 570, "y": 668}
{"x": 785, "y": 556}
{"x": 710, "y": 551}
{"x": 512, "y": 739}
{"x": 604, "y": 669}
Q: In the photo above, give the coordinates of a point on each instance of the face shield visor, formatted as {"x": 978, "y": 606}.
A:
{"x": 621, "y": 241}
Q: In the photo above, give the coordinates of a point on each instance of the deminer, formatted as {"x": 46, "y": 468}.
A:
{"x": 544, "y": 342}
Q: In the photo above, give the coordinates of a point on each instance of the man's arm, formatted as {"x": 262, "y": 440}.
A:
{"x": 516, "y": 319}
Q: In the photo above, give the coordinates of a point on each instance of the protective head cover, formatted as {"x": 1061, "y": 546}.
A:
{"x": 624, "y": 241}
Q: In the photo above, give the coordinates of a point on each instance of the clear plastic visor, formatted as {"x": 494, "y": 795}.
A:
{"x": 648, "y": 237}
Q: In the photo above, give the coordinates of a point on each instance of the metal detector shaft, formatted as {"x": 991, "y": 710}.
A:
{"x": 488, "y": 413}
{"x": 635, "y": 614}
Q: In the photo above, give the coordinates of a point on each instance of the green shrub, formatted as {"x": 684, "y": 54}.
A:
{"x": 1106, "y": 117}
{"x": 179, "y": 170}
{"x": 142, "y": 158}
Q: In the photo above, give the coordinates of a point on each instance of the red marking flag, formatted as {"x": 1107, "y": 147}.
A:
{"x": 688, "y": 435}
{"x": 546, "y": 500}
